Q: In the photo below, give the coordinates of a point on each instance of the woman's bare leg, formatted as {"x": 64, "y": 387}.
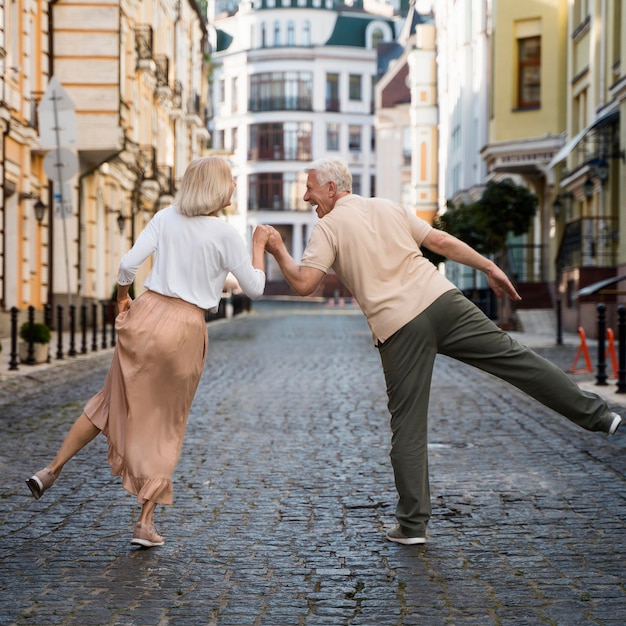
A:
{"x": 79, "y": 435}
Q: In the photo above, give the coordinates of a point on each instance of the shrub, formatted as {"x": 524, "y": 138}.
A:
{"x": 41, "y": 333}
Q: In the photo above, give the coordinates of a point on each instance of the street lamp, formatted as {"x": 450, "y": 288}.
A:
{"x": 588, "y": 188}
{"x": 121, "y": 222}
{"x": 557, "y": 205}
{"x": 40, "y": 210}
{"x": 602, "y": 170}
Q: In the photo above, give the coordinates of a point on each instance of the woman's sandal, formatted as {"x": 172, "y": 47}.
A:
{"x": 41, "y": 481}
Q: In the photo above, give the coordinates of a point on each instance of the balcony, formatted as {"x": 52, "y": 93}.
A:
{"x": 280, "y": 103}
{"x": 588, "y": 242}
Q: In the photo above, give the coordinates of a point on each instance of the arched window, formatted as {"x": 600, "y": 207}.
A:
{"x": 291, "y": 33}
{"x": 306, "y": 33}
{"x": 277, "y": 33}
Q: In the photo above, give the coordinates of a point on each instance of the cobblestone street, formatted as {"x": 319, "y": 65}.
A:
{"x": 284, "y": 489}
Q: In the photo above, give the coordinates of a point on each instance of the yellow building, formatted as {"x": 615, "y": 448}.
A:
{"x": 527, "y": 117}
{"x": 589, "y": 169}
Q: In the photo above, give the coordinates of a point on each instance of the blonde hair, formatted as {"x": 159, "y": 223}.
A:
{"x": 334, "y": 170}
{"x": 206, "y": 187}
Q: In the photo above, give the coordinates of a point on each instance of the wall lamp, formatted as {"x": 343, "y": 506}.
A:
{"x": 39, "y": 207}
{"x": 557, "y": 205}
{"x": 121, "y": 222}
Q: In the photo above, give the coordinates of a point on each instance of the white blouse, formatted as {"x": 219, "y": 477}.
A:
{"x": 192, "y": 258}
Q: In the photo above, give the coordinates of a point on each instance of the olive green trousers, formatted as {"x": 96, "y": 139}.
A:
{"x": 455, "y": 327}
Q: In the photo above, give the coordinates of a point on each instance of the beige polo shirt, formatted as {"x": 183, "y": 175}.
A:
{"x": 372, "y": 244}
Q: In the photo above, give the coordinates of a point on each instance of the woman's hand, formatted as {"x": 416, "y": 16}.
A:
{"x": 123, "y": 304}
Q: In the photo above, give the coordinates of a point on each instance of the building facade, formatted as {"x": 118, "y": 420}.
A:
{"x": 292, "y": 81}
{"x": 136, "y": 77}
{"x": 406, "y": 121}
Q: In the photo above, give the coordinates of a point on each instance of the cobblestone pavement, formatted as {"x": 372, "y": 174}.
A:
{"x": 284, "y": 489}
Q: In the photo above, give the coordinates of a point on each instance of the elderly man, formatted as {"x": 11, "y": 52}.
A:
{"x": 415, "y": 313}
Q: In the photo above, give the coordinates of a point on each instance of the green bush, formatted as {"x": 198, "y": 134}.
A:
{"x": 41, "y": 333}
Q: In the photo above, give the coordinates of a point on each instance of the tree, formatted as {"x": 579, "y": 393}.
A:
{"x": 504, "y": 208}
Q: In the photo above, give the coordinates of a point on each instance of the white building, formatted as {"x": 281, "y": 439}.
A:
{"x": 293, "y": 81}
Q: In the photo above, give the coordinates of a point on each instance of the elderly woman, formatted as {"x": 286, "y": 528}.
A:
{"x": 143, "y": 406}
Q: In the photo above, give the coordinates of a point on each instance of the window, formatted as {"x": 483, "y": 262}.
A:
{"x": 406, "y": 145}
{"x": 529, "y": 72}
{"x": 377, "y": 37}
{"x": 281, "y": 91}
{"x": 276, "y": 192}
{"x": 290, "y": 33}
{"x": 277, "y": 33}
{"x": 354, "y": 137}
{"x": 355, "y": 87}
{"x": 332, "y": 136}
{"x": 288, "y": 141}
{"x": 356, "y": 184}
{"x": 306, "y": 33}
{"x": 234, "y": 99}
{"x": 332, "y": 92}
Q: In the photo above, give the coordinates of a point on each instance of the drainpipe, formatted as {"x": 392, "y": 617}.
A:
{"x": 5, "y": 134}
{"x": 602, "y": 41}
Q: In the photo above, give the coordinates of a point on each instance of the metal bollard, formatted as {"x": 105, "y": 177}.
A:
{"x": 47, "y": 320}
{"x": 72, "y": 350}
{"x": 105, "y": 312}
{"x": 601, "y": 375}
{"x": 30, "y": 359}
{"x": 83, "y": 328}
{"x": 13, "y": 354}
{"x": 94, "y": 326}
{"x": 59, "y": 331}
{"x": 112, "y": 317}
{"x": 621, "y": 349}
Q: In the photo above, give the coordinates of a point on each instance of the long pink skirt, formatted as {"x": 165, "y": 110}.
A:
{"x": 145, "y": 401}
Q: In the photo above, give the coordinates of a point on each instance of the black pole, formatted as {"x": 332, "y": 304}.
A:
{"x": 59, "y": 331}
{"x": 47, "y": 318}
{"x": 601, "y": 376}
{"x": 13, "y": 355}
{"x": 30, "y": 359}
{"x": 94, "y": 326}
{"x": 559, "y": 322}
{"x": 72, "y": 351}
{"x": 112, "y": 318}
{"x": 104, "y": 324}
{"x": 621, "y": 348}
{"x": 83, "y": 328}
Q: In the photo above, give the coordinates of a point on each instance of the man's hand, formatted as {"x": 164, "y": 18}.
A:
{"x": 501, "y": 285}
{"x": 275, "y": 243}
{"x": 261, "y": 235}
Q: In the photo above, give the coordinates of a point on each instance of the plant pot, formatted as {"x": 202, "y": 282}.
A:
{"x": 40, "y": 353}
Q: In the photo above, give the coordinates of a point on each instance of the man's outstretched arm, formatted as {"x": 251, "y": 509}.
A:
{"x": 456, "y": 250}
{"x": 303, "y": 280}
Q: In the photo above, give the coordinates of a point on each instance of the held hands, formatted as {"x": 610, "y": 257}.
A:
{"x": 269, "y": 238}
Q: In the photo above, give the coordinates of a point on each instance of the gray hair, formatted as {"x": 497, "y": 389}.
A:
{"x": 332, "y": 169}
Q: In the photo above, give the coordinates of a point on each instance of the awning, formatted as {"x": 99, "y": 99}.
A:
{"x": 608, "y": 116}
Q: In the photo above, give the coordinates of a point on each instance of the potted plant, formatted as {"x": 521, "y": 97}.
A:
{"x": 41, "y": 339}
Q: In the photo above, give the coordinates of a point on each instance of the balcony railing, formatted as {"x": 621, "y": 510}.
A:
{"x": 526, "y": 263}
{"x": 588, "y": 242}
{"x": 162, "y": 70}
{"x": 281, "y": 103}
{"x": 143, "y": 42}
